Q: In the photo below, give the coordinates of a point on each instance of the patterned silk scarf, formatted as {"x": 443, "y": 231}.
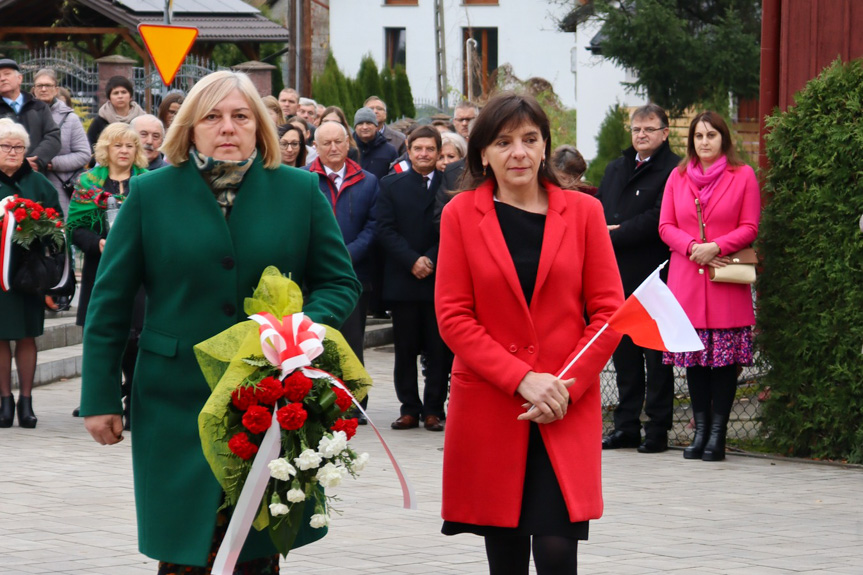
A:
{"x": 223, "y": 176}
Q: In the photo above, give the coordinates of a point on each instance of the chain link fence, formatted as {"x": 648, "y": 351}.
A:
{"x": 743, "y": 425}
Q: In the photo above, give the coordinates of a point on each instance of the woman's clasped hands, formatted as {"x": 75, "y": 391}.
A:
{"x": 707, "y": 254}
{"x": 547, "y": 397}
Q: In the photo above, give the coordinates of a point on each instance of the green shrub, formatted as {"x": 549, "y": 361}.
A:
{"x": 388, "y": 89}
{"x": 810, "y": 316}
{"x": 611, "y": 140}
{"x": 403, "y": 94}
{"x": 562, "y": 120}
{"x": 368, "y": 78}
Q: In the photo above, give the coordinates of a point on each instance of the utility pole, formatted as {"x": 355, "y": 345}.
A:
{"x": 440, "y": 55}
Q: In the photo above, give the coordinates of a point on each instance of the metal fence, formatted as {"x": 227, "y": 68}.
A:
{"x": 193, "y": 69}
{"x": 75, "y": 71}
{"x": 744, "y": 423}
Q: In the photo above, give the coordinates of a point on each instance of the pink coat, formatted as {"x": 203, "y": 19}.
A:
{"x": 731, "y": 220}
{"x": 497, "y": 339}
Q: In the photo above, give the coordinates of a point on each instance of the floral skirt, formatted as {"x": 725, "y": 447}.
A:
{"x": 262, "y": 566}
{"x": 722, "y": 347}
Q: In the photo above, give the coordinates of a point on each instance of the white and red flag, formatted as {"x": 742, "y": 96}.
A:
{"x": 654, "y": 319}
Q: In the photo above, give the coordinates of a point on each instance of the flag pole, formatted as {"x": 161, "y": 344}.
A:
{"x": 581, "y": 352}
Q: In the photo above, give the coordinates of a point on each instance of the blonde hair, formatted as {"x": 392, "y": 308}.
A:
{"x": 116, "y": 132}
{"x": 13, "y": 131}
{"x": 205, "y": 96}
{"x": 273, "y": 105}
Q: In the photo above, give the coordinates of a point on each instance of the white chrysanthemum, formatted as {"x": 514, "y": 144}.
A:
{"x": 360, "y": 462}
{"x": 296, "y": 495}
{"x": 281, "y": 469}
{"x": 308, "y": 459}
{"x": 329, "y": 447}
{"x": 331, "y": 475}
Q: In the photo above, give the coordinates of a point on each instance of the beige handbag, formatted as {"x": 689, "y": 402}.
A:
{"x": 741, "y": 270}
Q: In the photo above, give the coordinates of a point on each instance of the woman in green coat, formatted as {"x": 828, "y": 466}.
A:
{"x": 197, "y": 236}
{"x": 23, "y": 315}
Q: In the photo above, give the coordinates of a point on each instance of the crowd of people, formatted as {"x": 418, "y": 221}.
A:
{"x": 494, "y": 260}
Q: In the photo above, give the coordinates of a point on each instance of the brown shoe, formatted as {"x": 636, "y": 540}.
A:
{"x": 433, "y": 423}
{"x": 405, "y": 422}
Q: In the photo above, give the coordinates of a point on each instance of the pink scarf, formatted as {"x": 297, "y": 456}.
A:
{"x": 705, "y": 183}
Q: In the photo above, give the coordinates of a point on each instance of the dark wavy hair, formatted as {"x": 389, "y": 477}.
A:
{"x": 301, "y": 157}
{"x": 718, "y": 122}
{"x": 505, "y": 111}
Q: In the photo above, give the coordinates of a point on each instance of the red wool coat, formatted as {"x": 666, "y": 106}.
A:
{"x": 497, "y": 339}
{"x": 731, "y": 220}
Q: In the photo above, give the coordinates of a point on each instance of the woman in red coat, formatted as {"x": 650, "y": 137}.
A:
{"x": 713, "y": 178}
{"x": 522, "y": 263}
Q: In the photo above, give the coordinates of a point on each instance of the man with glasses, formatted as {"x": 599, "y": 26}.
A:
{"x": 631, "y": 195}
{"x": 34, "y": 115}
{"x": 352, "y": 192}
{"x": 395, "y": 138}
{"x": 463, "y": 116}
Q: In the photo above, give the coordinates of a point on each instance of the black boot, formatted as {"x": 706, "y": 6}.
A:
{"x": 26, "y": 417}
{"x": 7, "y": 411}
{"x": 696, "y": 448}
{"x": 714, "y": 450}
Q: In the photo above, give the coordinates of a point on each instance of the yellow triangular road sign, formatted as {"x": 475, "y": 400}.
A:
{"x": 168, "y": 47}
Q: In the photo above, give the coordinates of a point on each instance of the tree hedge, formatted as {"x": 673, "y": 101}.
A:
{"x": 611, "y": 140}
{"x": 810, "y": 317}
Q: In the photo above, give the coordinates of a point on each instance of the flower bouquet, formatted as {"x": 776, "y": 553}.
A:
{"x": 32, "y": 246}
{"x": 276, "y": 421}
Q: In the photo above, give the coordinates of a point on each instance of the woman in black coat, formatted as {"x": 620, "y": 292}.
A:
{"x": 22, "y": 316}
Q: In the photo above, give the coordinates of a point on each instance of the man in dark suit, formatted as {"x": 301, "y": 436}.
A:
{"x": 406, "y": 231}
{"x": 631, "y": 195}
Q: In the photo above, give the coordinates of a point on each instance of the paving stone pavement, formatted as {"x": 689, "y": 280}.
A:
{"x": 66, "y": 507}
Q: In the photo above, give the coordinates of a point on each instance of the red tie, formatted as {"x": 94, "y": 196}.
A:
{"x": 333, "y": 176}
{"x": 638, "y": 163}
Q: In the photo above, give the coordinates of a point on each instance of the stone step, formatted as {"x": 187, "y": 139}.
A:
{"x": 55, "y": 364}
{"x": 59, "y": 332}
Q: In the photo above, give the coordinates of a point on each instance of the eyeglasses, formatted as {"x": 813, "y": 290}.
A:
{"x": 17, "y": 149}
{"x": 647, "y": 131}
{"x": 286, "y": 145}
{"x": 44, "y": 86}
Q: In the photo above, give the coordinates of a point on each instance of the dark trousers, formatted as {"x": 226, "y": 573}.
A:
{"x": 652, "y": 388}
{"x": 415, "y": 331}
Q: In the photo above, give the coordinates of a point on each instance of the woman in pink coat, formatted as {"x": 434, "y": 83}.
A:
{"x": 521, "y": 264}
{"x": 713, "y": 176}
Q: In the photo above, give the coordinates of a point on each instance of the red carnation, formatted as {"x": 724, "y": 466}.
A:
{"x": 51, "y": 213}
{"x": 343, "y": 398}
{"x": 20, "y": 214}
{"x": 292, "y": 416}
{"x": 35, "y": 214}
{"x": 269, "y": 390}
{"x": 297, "y": 386}
{"x": 349, "y": 426}
{"x": 242, "y": 447}
{"x": 257, "y": 419}
{"x": 58, "y": 225}
{"x": 243, "y": 398}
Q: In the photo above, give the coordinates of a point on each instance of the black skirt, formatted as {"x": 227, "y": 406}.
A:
{"x": 543, "y": 510}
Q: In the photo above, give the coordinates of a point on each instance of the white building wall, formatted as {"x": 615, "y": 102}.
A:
{"x": 527, "y": 39}
{"x": 599, "y": 86}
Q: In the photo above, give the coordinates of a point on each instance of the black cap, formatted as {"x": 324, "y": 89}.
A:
{"x": 9, "y": 63}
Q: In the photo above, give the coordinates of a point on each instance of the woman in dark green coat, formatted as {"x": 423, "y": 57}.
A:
{"x": 23, "y": 315}
{"x": 198, "y": 235}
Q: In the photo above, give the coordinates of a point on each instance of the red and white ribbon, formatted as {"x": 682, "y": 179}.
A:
{"x": 291, "y": 343}
{"x": 7, "y": 228}
{"x": 285, "y": 345}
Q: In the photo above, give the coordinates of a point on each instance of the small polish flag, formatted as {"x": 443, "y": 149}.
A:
{"x": 7, "y": 228}
{"x": 402, "y": 166}
{"x": 653, "y": 318}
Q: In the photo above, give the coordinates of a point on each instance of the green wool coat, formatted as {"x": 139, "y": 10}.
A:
{"x": 22, "y": 315}
{"x": 197, "y": 268}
